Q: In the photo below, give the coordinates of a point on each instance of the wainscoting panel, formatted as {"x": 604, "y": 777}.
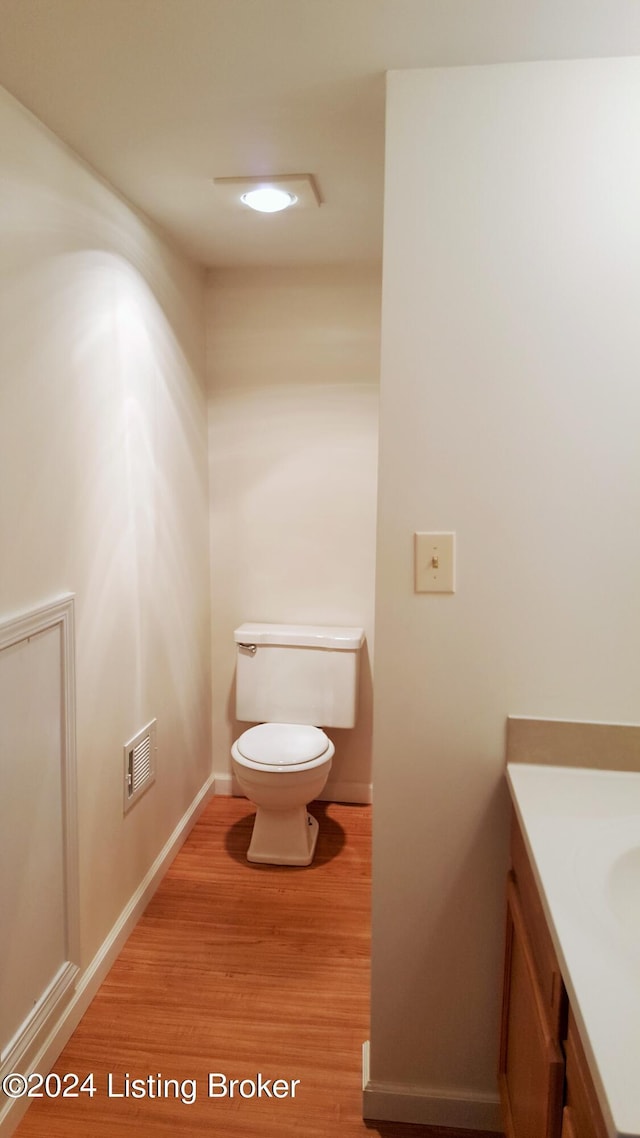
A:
{"x": 39, "y": 935}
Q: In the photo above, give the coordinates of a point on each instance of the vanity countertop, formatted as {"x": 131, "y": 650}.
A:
{"x": 582, "y": 831}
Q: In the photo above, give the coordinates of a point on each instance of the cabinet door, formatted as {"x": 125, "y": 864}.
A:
{"x": 568, "y": 1127}
{"x": 583, "y": 1111}
{"x": 531, "y": 1070}
{"x": 539, "y": 939}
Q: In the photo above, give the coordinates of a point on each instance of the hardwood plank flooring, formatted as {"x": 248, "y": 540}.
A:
{"x": 234, "y": 970}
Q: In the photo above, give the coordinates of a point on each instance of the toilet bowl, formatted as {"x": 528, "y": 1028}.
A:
{"x": 289, "y": 676}
{"x": 281, "y": 767}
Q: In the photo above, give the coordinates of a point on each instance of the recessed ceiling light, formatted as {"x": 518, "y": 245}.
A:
{"x": 281, "y": 191}
{"x": 268, "y": 199}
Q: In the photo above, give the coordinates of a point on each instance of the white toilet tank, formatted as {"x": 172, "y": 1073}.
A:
{"x": 297, "y": 673}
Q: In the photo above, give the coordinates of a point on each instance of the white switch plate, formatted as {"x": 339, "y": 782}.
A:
{"x": 434, "y": 562}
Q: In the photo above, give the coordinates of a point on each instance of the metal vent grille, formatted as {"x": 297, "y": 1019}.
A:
{"x": 139, "y": 764}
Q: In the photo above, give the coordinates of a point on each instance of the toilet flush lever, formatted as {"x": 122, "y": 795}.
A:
{"x": 250, "y": 648}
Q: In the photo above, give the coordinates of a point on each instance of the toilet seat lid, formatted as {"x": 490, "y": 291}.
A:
{"x": 282, "y": 744}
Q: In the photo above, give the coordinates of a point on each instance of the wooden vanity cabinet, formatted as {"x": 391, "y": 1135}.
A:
{"x": 531, "y": 1067}
{"x": 545, "y": 1084}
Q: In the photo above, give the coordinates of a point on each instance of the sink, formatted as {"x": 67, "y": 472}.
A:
{"x": 606, "y": 863}
{"x": 623, "y": 890}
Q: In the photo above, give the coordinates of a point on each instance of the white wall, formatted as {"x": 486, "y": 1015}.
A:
{"x": 104, "y": 488}
{"x": 293, "y": 361}
{"x": 510, "y": 413}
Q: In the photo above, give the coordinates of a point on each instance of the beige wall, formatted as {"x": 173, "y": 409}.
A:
{"x": 104, "y": 487}
{"x": 293, "y": 361}
{"x": 510, "y": 413}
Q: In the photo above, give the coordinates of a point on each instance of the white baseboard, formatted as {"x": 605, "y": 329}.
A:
{"x": 356, "y": 792}
{"x": 55, "y": 1033}
{"x": 225, "y": 786}
{"x": 393, "y": 1102}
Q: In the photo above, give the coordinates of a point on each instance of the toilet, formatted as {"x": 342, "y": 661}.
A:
{"x": 291, "y": 681}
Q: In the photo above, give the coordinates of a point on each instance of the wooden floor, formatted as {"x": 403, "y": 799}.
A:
{"x": 234, "y": 970}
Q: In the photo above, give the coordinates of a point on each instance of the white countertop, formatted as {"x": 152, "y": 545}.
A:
{"x": 582, "y": 832}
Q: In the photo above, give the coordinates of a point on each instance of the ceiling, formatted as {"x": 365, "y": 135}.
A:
{"x": 162, "y": 96}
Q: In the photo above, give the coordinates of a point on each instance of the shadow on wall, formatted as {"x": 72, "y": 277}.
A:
{"x": 451, "y": 959}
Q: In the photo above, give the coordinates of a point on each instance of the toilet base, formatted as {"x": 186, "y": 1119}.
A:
{"x": 283, "y": 837}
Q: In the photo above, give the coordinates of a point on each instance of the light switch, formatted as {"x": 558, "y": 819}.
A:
{"x": 434, "y": 562}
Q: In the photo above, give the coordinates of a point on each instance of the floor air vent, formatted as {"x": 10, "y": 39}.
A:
{"x": 139, "y": 764}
